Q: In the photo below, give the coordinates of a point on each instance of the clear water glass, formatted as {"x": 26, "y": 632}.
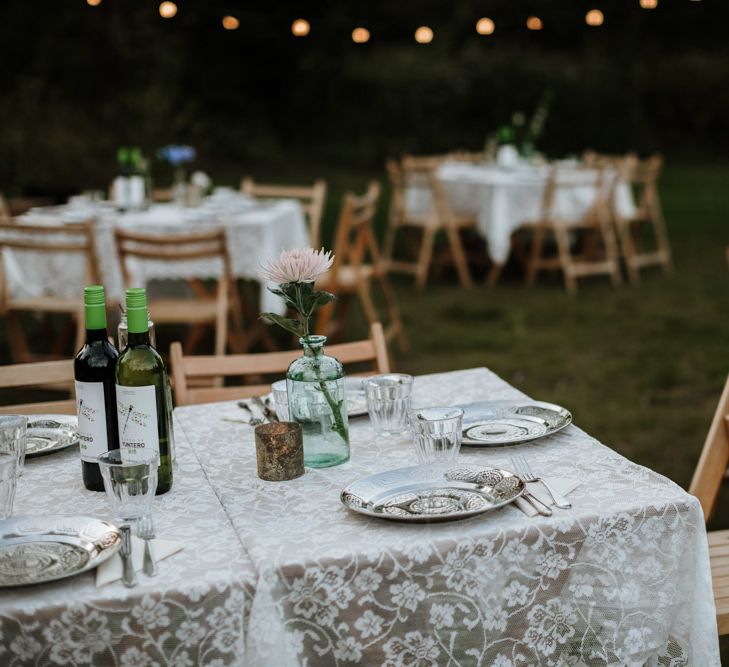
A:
{"x": 437, "y": 434}
{"x": 8, "y": 482}
{"x": 13, "y": 430}
{"x": 388, "y": 403}
{"x": 130, "y": 483}
{"x": 281, "y": 400}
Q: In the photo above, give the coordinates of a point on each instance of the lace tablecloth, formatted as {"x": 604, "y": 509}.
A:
{"x": 255, "y": 231}
{"x": 193, "y": 613}
{"x": 503, "y": 200}
{"x": 623, "y": 578}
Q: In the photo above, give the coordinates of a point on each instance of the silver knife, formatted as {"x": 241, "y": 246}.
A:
{"x": 537, "y": 504}
{"x": 128, "y": 576}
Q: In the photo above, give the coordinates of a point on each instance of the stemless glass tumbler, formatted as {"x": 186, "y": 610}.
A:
{"x": 437, "y": 433}
{"x": 388, "y": 402}
{"x": 12, "y": 456}
{"x": 130, "y": 484}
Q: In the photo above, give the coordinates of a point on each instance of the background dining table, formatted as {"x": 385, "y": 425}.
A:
{"x": 255, "y": 231}
{"x": 281, "y": 573}
{"x": 504, "y": 198}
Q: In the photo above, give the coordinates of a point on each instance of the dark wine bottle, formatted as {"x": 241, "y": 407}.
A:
{"x": 141, "y": 392}
{"x": 93, "y": 370}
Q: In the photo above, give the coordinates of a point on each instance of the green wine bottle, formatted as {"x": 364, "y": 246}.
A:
{"x": 141, "y": 392}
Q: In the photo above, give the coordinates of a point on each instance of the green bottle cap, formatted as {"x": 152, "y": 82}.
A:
{"x": 95, "y": 307}
{"x": 137, "y": 310}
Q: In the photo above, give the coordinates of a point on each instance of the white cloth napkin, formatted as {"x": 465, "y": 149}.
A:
{"x": 559, "y": 484}
{"x": 111, "y": 569}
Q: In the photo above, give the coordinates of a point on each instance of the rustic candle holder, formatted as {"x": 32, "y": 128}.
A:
{"x": 279, "y": 451}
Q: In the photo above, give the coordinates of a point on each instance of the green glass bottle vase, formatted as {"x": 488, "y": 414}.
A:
{"x": 317, "y": 401}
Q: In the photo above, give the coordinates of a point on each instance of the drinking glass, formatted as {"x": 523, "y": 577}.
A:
{"x": 8, "y": 481}
{"x": 281, "y": 400}
{"x": 437, "y": 433}
{"x": 130, "y": 483}
{"x": 388, "y": 402}
{"x": 13, "y": 438}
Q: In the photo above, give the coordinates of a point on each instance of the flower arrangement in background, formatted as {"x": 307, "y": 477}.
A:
{"x": 177, "y": 155}
{"x": 294, "y": 273}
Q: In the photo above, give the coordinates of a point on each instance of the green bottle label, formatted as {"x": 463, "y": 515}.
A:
{"x": 137, "y": 310}
{"x": 95, "y": 307}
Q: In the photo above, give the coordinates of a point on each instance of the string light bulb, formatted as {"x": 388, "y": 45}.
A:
{"x": 300, "y": 28}
{"x": 594, "y": 17}
{"x": 231, "y": 23}
{"x": 485, "y": 26}
{"x": 424, "y": 35}
{"x": 534, "y": 23}
{"x": 93, "y": 3}
{"x": 649, "y": 4}
{"x": 167, "y": 10}
{"x": 360, "y": 35}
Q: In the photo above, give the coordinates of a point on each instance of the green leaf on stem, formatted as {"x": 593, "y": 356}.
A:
{"x": 293, "y": 326}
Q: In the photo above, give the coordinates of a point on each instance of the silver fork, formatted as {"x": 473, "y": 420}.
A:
{"x": 145, "y": 531}
{"x": 526, "y": 472}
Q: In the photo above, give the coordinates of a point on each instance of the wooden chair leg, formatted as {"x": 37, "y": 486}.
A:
{"x": 388, "y": 247}
{"x": 627, "y": 247}
{"x": 535, "y": 256}
{"x": 459, "y": 256}
{"x": 565, "y": 259}
{"x": 494, "y": 274}
{"x": 607, "y": 231}
{"x": 193, "y": 338}
{"x": 425, "y": 255}
{"x": 393, "y": 311}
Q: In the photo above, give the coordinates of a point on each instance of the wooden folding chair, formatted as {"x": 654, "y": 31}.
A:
{"x": 439, "y": 216}
{"x": 74, "y": 240}
{"x": 357, "y": 265}
{"x": 642, "y": 176}
{"x": 595, "y": 220}
{"x": 188, "y": 370}
{"x": 4, "y": 209}
{"x": 312, "y": 200}
{"x": 705, "y": 485}
{"x": 41, "y": 374}
{"x": 206, "y": 308}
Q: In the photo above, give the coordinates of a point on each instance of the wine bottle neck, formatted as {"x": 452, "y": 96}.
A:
{"x": 92, "y": 335}
{"x": 138, "y": 338}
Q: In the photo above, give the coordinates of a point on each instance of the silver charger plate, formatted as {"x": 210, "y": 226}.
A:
{"x": 425, "y": 494}
{"x": 511, "y": 422}
{"x": 50, "y": 433}
{"x": 38, "y": 549}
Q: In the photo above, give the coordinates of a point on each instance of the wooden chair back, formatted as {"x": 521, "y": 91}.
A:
{"x": 186, "y": 370}
{"x": 39, "y": 374}
{"x": 355, "y": 240}
{"x": 643, "y": 177}
{"x": 74, "y": 239}
{"x": 714, "y": 458}
{"x": 600, "y": 184}
{"x": 312, "y": 200}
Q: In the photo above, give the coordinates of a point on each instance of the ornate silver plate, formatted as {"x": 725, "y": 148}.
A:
{"x": 508, "y": 422}
{"x": 50, "y": 433}
{"x": 37, "y": 549}
{"x": 423, "y": 494}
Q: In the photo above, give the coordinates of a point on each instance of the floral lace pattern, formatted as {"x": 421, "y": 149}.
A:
{"x": 193, "y": 613}
{"x": 280, "y": 574}
{"x": 623, "y": 578}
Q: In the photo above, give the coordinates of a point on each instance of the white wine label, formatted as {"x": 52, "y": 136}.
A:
{"x": 91, "y": 420}
{"x": 137, "y": 411}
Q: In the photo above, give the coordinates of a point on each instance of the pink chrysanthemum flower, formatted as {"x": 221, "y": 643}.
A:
{"x": 300, "y": 265}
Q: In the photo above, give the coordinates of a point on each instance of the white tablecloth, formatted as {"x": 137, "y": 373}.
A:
{"x": 193, "y": 613}
{"x": 503, "y": 199}
{"x": 623, "y": 578}
{"x": 256, "y": 231}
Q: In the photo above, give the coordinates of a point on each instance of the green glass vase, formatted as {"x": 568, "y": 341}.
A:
{"x": 317, "y": 401}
